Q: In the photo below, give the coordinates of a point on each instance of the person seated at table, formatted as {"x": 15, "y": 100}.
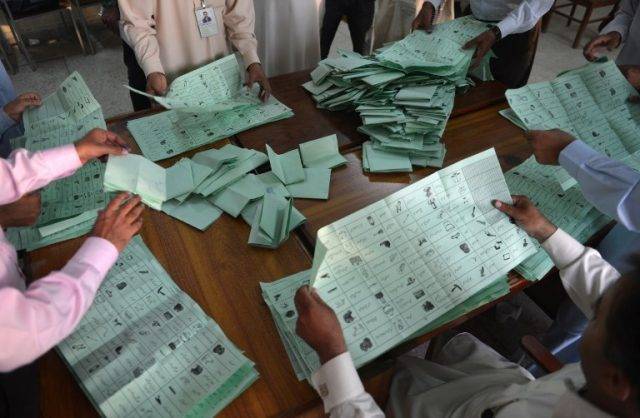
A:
{"x": 168, "y": 39}
{"x": 468, "y": 378}
{"x": 359, "y": 15}
{"x": 12, "y": 107}
{"x": 623, "y": 29}
{"x": 512, "y": 37}
{"x": 35, "y": 318}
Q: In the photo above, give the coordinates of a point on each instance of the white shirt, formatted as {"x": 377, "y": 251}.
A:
{"x": 513, "y": 16}
{"x": 496, "y": 384}
{"x": 627, "y": 23}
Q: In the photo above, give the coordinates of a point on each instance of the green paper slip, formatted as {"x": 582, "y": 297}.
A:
{"x": 236, "y": 172}
{"x": 416, "y": 93}
{"x": 249, "y": 186}
{"x": 54, "y": 228}
{"x": 287, "y": 167}
{"x": 141, "y": 318}
{"x": 195, "y": 211}
{"x": 170, "y": 133}
{"x": 315, "y": 186}
{"x": 271, "y": 224}
{"x": 272, "y": 184}
{"x": 155, "y": 185}
{"x": 378, "y": 161}
{"x": 322, "y": 153}
{"x": 199, "y": 173}
{"x": 230, "y": 200}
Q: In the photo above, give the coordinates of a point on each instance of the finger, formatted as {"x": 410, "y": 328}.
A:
{"x": 135, "y": 213}
{"x": 109, "y": 149}
{"x": 505, "y": 208}
{"x": 116, "y": 202}
{"x": 136, "y": 226}
{"x": 634, "y": 99}
{"x": 301, "y": 299}
{"x": 129, "y": 206}
{"x": 115, "y": 139}
{"x": 471, "y": 44}
{"x": 416, "y": 23}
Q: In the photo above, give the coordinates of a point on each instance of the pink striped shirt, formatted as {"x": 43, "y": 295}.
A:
{"x": 34, "y": 319}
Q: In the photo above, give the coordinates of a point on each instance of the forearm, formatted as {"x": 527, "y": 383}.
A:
{"x": 524, "y": 17}
{"x": 34, "y": 321}
{"x": 138, "y": 31}
{"x": 341, "y": 390}
{"x": 24, "y": 172}
{"x": 584, "y": 273}
{"x": 622, "y": 19}
{"x": 5, "y": 122}
{"x": 609, "y": 185}
{"x": 239, "y": 20}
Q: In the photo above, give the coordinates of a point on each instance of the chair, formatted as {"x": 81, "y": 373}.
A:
{"x": 589, "y": 5}
{"x": 540, "y": 354}
{"x": 61, "y": 8}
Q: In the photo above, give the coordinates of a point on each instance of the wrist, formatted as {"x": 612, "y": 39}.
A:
{"x": 542, "y": 233}
{"x": 616, "y": 37}
{"x": 497, "y": 34}
{"x": 330, "y": 351}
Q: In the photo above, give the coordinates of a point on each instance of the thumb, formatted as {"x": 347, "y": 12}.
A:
{"x": 302, "y": 299}
{"x": 110, "y": 149}
{"x": 505, "y": 208}
{"x": 471, "y": 44}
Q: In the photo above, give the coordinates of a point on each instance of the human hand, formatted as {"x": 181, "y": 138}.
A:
{"x": 98, "y": 143}
{"x": 255, "y": 74}
{"x": 318, "y": 325}
{"x": 424, "y": 19}
{"x": 120, "y": 221}
{"x": 157, "y": 84}
{"x": 16, "y": 108}
{"x": 547, "y": 145}
{"x": 482, "y": 43}
{"x": 110, "y": 17}
{"x": 609, "y": 40}
{"x": 24, "y": 212}
{"x": 528, "y": 217}
{"x": 632, "y": 73}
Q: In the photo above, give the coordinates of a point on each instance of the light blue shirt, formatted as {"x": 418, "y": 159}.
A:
{"x": 8, "y": 127}
{"x": 610, "y": 185}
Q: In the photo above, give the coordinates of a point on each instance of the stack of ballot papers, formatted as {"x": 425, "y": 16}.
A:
{"x": 146, "y": 349}
{"x": 590, "y": 103}
{"x": 69, "y": 205}
{"x": 207, "y": 105}
{"x": 568, "y": 210}
{"x": 404, "y": 93}
{"x": 409, "y": 262}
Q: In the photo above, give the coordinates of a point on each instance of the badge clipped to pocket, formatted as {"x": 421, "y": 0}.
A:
{"x": 207, "y": 22}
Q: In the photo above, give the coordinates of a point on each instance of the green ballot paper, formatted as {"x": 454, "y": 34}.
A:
{"x": 590, "y": 103}
{"x": 287, "y": 167}
{"x": 322, "y": 153}
{"x": 411, "y": 261}
{"x": 145, "y": 348}
{"x": 195, "y": 211}
{"x": 315, "y": 186}
{"x": 69, "y": 205}
{"x": 154, "y": 184}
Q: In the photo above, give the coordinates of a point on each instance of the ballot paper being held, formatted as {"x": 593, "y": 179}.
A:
{"x": 154, "y": 184}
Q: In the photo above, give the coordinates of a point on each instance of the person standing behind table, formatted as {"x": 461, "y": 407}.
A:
{"x": 13, "y": 106}
{"x": 623, "y": 29}
{"x": 35, "y": 318}
{"x": 110, "y": 16}
{"x": 359, "y": 15}
{"x": 511, "y": 37}
{"x": 169, "y": 38}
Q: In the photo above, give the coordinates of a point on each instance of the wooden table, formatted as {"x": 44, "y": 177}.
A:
{"x": 221, "y": 272}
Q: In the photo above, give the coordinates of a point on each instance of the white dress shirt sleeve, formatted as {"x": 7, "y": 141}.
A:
{"x": 609, "y": 185}
{"x": 338, "y": 384}
{"x": 524, "y": 17}
{"x": 584, "y": 273}
{"x": 622, "y": 19}
{"x": 436, "y": 4}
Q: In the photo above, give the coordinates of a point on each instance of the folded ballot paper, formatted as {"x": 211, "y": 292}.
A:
{"x": 408, "y": 263}
{"x": 154, "y": 184}
{"x": 590, "y": 103}
{"x": 69, "y": 205}
{"x": 145, "y": 348}
{"x": 207, "y": 105}
{"x": 403, "y": 93}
